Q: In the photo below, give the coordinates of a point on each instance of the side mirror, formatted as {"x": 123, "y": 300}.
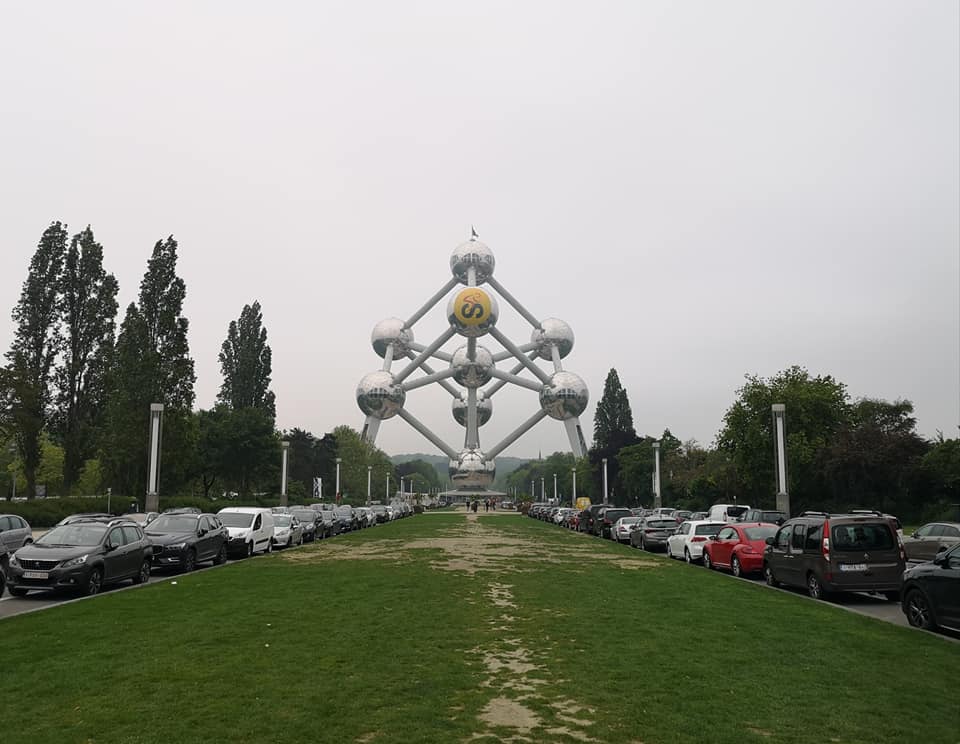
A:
{"x": 201, "y": 532}
{"x": 110, "y": 547}
{"x": 914, "y": 535}
{"x": 714, "y": 538}
{"x": 769, "y": 541}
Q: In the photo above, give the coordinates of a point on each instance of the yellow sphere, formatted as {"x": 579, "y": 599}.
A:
{"x": 472, "y": 311}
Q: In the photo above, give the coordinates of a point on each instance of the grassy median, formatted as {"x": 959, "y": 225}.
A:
{"x": 448, "y": 628}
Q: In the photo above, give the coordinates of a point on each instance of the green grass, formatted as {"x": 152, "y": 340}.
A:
{"x": 389, "y": 649}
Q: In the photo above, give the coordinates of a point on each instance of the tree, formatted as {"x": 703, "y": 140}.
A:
{"x": 356, "y": 455}
{"x": 152, "y": 364}
{"x": 88, "y": 311}
{"x": 245, "y": 361}
{"x": 37, "y": 341}
{"x": 424, "y": 473}
{"x": 613, "y": 420}
{"x": 816, "y": 408}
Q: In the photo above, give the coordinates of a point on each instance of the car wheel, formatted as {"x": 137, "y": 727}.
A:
{"x": 221, "y": 556}
{"x": 736, "y": 568}
{"x": 18, "y": 591}
{"x": 189, "y": 561}
{"x": 144, "y": 574}
{"x": 814, "y": 587}
{"x": 270, "y": 546}
{"x": 769, "y": 577}
{"x": 643, "y": 544}
{"x": 249, "y": 550}
{"x": 686, "y": 555}
{"x": 919, "y": 613}
{"x": 94, "y": 582}
{"x": 707, "y": 563}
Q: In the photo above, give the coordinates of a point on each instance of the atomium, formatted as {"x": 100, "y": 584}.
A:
{"x": 469, "y": 373}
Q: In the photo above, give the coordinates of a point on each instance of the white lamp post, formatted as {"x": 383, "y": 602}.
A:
{"x": 573, "y": 500}
{"x": 604, "y": 480}
{"x": 779, "y": 411}
{"x": 369, "y": 482}
{"x": 152, "y": 502}
{"x": 336, "y": 497}
{"x": 284, "y": 448}
{"x": 657, "y": 501}
{"x": 555, "y": 487}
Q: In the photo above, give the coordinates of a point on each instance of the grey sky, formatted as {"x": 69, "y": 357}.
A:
{"x": 702, "y": 190}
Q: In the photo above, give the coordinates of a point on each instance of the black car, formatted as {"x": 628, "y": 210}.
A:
{"x": 82, "y": 556}
{"x": 331, "y": 523}
{"x": 183, "y": 539}
{"x": 311, "y": 521}
{"x": 608, "y": 518}
{"x": 771, "y": 516}
{"x": 930, "y": 592}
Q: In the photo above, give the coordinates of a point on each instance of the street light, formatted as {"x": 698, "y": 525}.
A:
{"x": 152, "y": 502}
{"x": 337, "y": 492}
{"x": 386, "y": 493}
{"x": 555, "y": 487}
{"x": 285, "y": 448}
{"x": 779, "y": 411}
{"x": 369, "y": 476}
{"x": 543, "y": 489}
{"x": 657, "y": 501}
{"x": 573, "y": 499}
{"x": 604, "y": 480}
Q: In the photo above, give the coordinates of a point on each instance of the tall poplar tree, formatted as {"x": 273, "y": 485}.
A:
{"x": 152, "y": 364}
{"x": 245, "y": 361}
{"x": 613, "y": 420}
{"x": 37, "y": 341}
{"x": 88, "y": 312}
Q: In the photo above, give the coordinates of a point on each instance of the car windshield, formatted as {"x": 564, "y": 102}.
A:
{"x": 306, "y": 515}
{"x": 173, "y": 523}
{"x": 282, "y": 520}
{"x": 708, "y": 529}
{"x": 857, "y": 537}
{"x": 614, "y": 514}
{"x": 78, "y": 533}
{"x": 760, "y": 533}
{"x": 346, "y": 510}
{"x": 735, "y": 512}
{"x": 235, "y": 519}
{"x": 661, "y": 524}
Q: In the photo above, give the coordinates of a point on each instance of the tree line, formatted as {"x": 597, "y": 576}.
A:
{"x": 75, "y": 390}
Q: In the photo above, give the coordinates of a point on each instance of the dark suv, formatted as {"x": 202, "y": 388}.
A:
{"x": 836, "y": 553}
{"x": 183, "y": 539}
{"x": 770, "y": 516}
{"x": 82, "y": 556}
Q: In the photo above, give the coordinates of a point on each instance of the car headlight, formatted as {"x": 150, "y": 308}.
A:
{"x": 78, "y": 561}
{"x": 14, "y": 561}
{"x": 177, "y": 546}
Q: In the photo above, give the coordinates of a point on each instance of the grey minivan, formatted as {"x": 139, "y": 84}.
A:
{"x": 14, "y": 533}
{"x": 827, "y": 553}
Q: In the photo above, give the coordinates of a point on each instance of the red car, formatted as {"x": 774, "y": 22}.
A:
{"x": 739, "y": 547}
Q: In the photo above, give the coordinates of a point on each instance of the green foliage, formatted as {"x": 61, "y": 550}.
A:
{"x": 613, "y": 420}
{"x": 88, "y": 313}
{"x": 356, "y": 455}
{"x": 424, "y": 474}
{"x": 560, "y": 463}
{"x": 37, "y": 341}
{"x": 90, "y": 481}
{"x": 237, "y": 450}
{"x": 245, "y": 361}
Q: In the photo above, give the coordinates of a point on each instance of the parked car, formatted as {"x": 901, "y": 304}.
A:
{"x": 83, "y": 516}
{"x": 4, "y": 559}
{"x": 311, "y": 522}
{"x": 697, "y": 517}
{"x": 727, "y": 512}
{"x": 142, "y": 518}
{"x": 250, "y": 529}
{"x": 682, "y": 515}
{"x": 608, "y": 518}
{"x": 836, "y": 553}
{"x": 769, "y": 516}
{"x": 380, "y": 511}
{"x": 331, "y": 525}
{"x": 182, "y": 510}
{"x": 653, "y": 532}
{"x": 738, "y": 547}
{"x": 621, "y": 530}
{"x": 348, "y": 519}
{"x": 688, "y": 541}
{"x": 14, "y": 533}
{"x": 930, "y": 539}
{"x": 184, "y": 540}
{"x": 82, "y": 556}
{"x": 930, "y": 592}
{"x": 287, "y": 531}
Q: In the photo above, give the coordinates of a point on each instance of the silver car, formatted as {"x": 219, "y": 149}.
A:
{"x": 14, "y": 533}
{"x": 930, "y": 539}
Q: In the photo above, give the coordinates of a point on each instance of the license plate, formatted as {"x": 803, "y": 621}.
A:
{"x": 853, "y": 566}
{"x": 34, "y": 574}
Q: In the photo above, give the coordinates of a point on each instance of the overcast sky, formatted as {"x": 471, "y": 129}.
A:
{"x": 701, "y": 190}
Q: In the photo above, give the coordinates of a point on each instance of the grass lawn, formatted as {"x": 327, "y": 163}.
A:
{"x": 447, "y": 628}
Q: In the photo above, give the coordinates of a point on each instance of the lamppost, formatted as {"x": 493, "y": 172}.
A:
{"x": 555, "y": 487}
{"x": 152, "y": 502}
{"x": 604, "y": 480}
{"x": 779, "y": 411}
{"x": 386, "y": 493}
{"x": 543, "y": 489}
{"x": 573, "y": 499}
{"x": 657, "y": 501}
{"x": 533, "y": 490}
{"x": 337, "y": 492}
{"x": 284, "y": 450}
{"x": 369, "y": 481}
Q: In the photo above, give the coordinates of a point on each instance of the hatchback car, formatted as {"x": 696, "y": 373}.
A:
{"x": 653, "y": 532}
{"x": 182, "y": 540}
{"x": 836, "y": 553}
{"x": 770, "y": 516}
{"x": 287, "y": 531}
{"x": 311, "y": 522}
{"x": 738, "y": 548}
{"x": 623, "y": 527}
{"x": 82, "y": 556}
{"x": 690, "y": 537}
{"x": 607, "y": 518}
{"x": 930, "y": 539}
{"x": 930, "y": 592}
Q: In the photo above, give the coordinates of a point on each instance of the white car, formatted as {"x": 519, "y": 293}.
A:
{"x": 688, "y": 541}
{"x": 623, "y": 527}
{"x": 250, "y": 529}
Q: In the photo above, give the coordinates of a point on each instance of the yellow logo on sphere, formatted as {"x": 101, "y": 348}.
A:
{"x": 471, "y": 306}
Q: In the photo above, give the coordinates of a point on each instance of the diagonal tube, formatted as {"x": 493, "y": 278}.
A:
{"x": 426, "y": 354}
{"x": 427, "y": 379}
{"x": 513, "y": 301}
{"x": 441, "y": 355}
{"x": 519, "y": 432}
{"x": 431, "y": 302}
{"x": 507, "y": 344}
{"x": 516, "y": 380}
{"x": 433, "y": 438}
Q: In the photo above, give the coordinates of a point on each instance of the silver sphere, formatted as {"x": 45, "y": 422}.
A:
{"x": 379, "y": 396}
{"x": 391, "y": 331}
{"x": 472, "y": 374}
{"x": 564, "y": 396}
{"x": 484, "y": 408}
{"x": 472, "y": 312}
{"x": 472, "y": 253}
{"x": 472, "y": 469}
{"x": 552, "y": 332}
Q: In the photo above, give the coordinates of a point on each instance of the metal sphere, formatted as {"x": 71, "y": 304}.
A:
{"x": 391, "y": 331}
{"x": 564, "y": 396}
{"x": 472, "y": 312}
{"x": 472, "y": 253}
{"x": 379, "y": 396}
{"x": 484, "y": 408}
{"x": 552, "y": 332}
{"x": 472, "y": 373}
{"x": 472, "y": 469}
